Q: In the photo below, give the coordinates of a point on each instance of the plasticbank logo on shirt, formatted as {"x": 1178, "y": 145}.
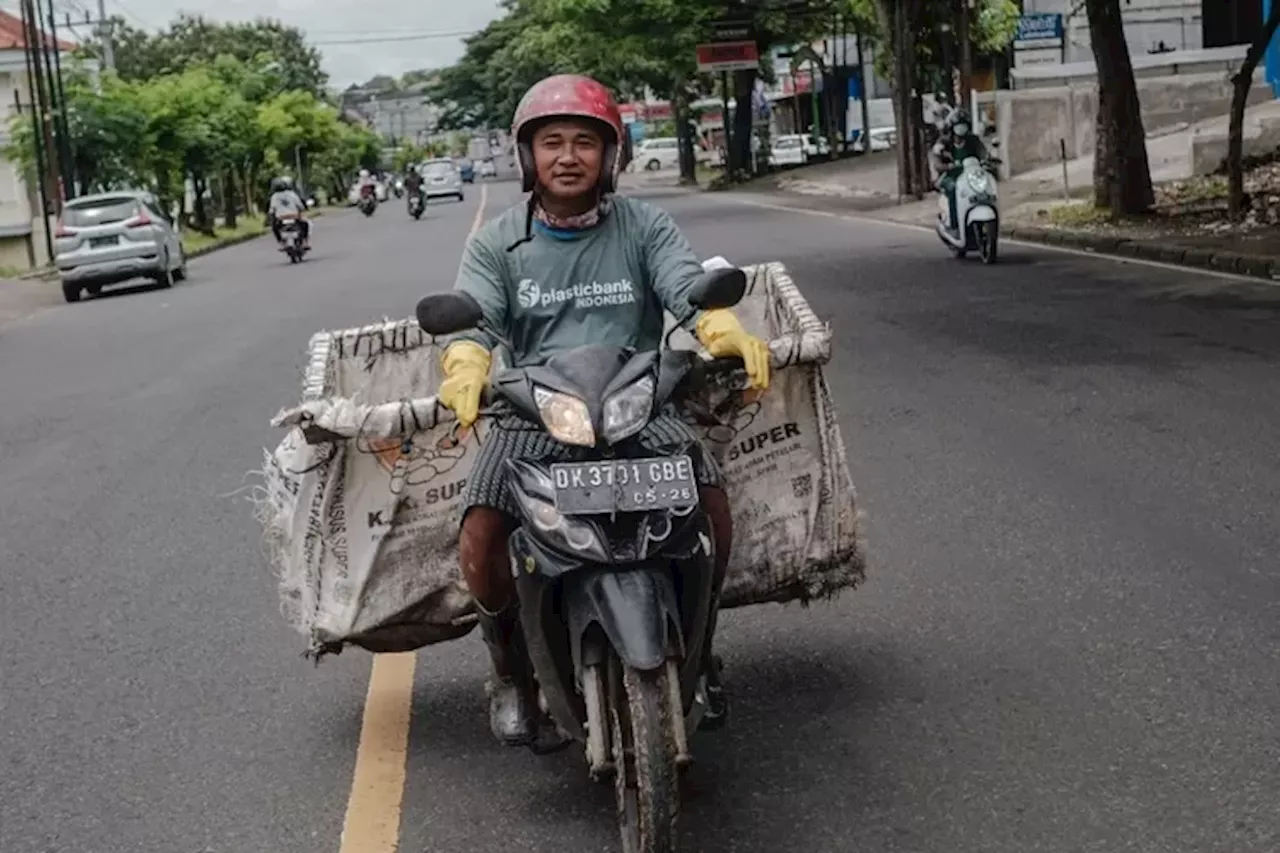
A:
{"x": 595, "y": 294}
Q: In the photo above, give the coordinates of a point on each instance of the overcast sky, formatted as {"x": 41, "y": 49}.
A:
{"x": 337, "y": 20}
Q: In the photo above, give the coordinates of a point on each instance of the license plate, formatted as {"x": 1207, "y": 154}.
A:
{"x": 624, "y": 485}
{"x": 95, "y": 242}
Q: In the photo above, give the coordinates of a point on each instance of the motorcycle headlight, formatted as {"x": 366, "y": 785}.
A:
{"x": 626, "y": 412}
{"x": 979, "y": 182}
{"x": 565, "y": 417}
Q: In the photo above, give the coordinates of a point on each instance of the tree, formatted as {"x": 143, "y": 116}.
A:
{"x": 110, "y": 129}
{"x": 1243, "y": 83}
{"x": 914, "y": 28}
{"x": 192, "y": 41}
{"x": 1121, "y": 172}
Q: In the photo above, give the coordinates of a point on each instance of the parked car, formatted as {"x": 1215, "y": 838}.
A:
{"x": 663, "y": 152}
{"x": 441, "y": 178}
{"x": 111, "y": 238}
{"x": 882, "y": 139}
{"x": 467, "y": 171}
{"x": 656, "y": 154}
{"x": 788, "y": 151}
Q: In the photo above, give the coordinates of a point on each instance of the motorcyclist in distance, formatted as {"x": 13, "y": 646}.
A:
{"x": 286, "y": 204}
{"x": 948, "y": 154}
{"x": 522, "y": 268}
{"x": 366, "y": 179}
{"x": 413, "y": 181}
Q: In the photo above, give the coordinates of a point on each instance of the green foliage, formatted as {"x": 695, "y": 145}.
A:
{"x": 995, "y": 25}
{"x": 626, "y": 44}
{"x": 222, "y": 118}
{"x": 192, "y": 41}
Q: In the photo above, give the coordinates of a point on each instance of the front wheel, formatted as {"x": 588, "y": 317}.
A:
{"x": 646, "y": 783}
{"x": 987, "y": 237}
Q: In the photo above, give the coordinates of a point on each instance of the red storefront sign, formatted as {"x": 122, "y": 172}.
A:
{"x": 728, "y": 56}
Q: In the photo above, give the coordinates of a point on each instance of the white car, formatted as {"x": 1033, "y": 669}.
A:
{"x": 656, "y": 154}
{"x": 793, "y": 149}
{"x": 488, "y": 170}
{"x": 113, "y": 237}
{"x": 788, "y": 151}
{"x": 882, "y": 139}
{"x": 441, "y": 178}
{"x": 663, "y": 152}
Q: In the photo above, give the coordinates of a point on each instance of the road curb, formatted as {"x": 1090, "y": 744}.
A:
{"x": 1213, "y": 260}
{"x": 224, "y": 244}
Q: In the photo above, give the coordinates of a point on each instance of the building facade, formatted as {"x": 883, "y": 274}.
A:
{"x": 1160, "y": 26}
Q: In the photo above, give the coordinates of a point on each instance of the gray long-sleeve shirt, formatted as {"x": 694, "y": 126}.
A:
{"x": 606, "y": 285}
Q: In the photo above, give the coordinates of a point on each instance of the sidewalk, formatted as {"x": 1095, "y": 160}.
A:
{"x": 1188, "y": 226}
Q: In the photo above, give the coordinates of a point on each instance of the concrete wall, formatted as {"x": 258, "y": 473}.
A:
{"x": 1147, "y": 23}
{"x": 1032, "y": 122}
{"x": 1218, "y": 60}
{"x": 1209, "y": 150}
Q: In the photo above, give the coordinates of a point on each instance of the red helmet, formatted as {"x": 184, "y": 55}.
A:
{"x": 565, "y": 96}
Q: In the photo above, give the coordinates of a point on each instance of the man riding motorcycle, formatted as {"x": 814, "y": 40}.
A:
{"x": 413, "y": 182}
{"x": 286, "y": 204}
{"x": 576, "y": 265}
{"x": 947, "y": 157}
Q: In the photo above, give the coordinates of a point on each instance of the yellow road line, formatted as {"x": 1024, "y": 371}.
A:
{"x": 372, "y": 823}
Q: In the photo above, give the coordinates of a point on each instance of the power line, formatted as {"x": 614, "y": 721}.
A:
{"x": 129, "y": 13}
{"x": 395, "y": 38}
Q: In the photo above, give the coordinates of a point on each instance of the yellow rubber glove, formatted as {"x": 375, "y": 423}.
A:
{"x": 723, "y": 336}
{"x": 466, "y": 372}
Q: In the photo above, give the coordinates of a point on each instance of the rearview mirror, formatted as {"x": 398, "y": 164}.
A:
{"x": 447, "y": 313}
{"x": 718, "y": 288}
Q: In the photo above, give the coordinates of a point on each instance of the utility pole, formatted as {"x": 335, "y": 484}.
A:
{"x": 36, "y": 73}
{"x": 966, "y": 54}
{"x": 104, "y": 36}
{"x": 40, "y": 171}
{"x": 66, "y": 152}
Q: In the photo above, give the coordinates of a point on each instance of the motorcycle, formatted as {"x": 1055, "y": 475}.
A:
{"x": 417, "y": 204}
{"x": 613, "y": 558}
{"x": 368, "y": 199}
{"x": 398, "y": 189}
{"x": 291, "y": 240}
{"x": 977, "y": 215}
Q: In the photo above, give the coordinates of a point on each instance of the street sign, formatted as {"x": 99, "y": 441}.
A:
{"x": 728, "y": 56}
{"x": 730, "y": 30}
{"x": 1038, "y": 31}
{"x": 732, "y": 47}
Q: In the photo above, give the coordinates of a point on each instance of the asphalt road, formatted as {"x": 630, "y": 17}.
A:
{"x": 1069, "y": 640}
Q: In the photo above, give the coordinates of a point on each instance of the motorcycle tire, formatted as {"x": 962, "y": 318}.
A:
{"x": 988, "y": 240}
{"x": 646, "y": 783}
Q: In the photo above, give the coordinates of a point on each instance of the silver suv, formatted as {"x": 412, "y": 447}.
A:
{"x": 440, "y": 178}
{"x": 113, "y": 237}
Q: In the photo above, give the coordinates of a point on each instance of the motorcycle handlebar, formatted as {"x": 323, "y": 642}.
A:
{"x": 405, "y": 417}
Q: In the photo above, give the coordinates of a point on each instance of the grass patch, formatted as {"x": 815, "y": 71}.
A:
{"x": 193, "y": 241}
{"x": 1078, "y": 215}
{"x": 706, "y": 174}
{"x": 1211, "y": 188}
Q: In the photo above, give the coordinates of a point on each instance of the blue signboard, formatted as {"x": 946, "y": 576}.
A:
{"x": 1039, "y": 30}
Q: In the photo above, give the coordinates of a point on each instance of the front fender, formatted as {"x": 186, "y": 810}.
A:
{"x": 981, "y": 213}
{"x": 637, "y": 609}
